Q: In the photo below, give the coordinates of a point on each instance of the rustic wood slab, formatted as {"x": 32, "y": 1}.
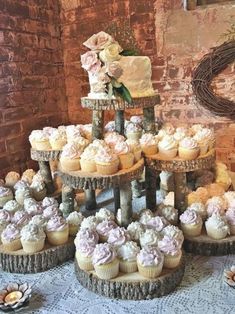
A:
{"x": 132, "y": 286}
{"x": 45, "y": 155}
{"x": 177, "y": 164}
{"x": 49, "y": 257}
{"x": 84, "y": 180}
{"x": 204, "y": 245}
{"x": 119, "y": 104}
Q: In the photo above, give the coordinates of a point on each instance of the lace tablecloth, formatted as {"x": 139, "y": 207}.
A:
{"x": 202, "y": 290}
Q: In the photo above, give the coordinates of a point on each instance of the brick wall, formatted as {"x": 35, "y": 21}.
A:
{"x": 174, "y": 39}
{"x": 32, "y": 90}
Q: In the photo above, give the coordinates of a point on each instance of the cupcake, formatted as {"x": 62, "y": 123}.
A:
{"x": 49, "y": 201}
{"x": 86, "y": 131}
{"x": 86, "y": 235}
{"x": 168, "y": 147}
{"x": 39, "y": 140}
{"x": 157, "y": 223}
{"x": 180, "y": 134}
{"x": 203, "y": 194}
{"x": 126, "y": 158}
{"x": 87, "y": 160}
{"x": 28, "y": 175}
{"x": 202, "y": 141}
{"x": 138, "y": 120}
{"x": 21, "y": 218}
{"x": 39, "y": 220}
{"x": 38, "y": 189}
{"x": 230, "y": 198}
{"x": 104, "y": 214}
{"x": 217, "y": 227}
{"x": 206, "y": 135}
{"x": 51, "y": 211}
{"x": 5, "y": 216}
{"x": 84, "y": 252}
{"x": 216, "y": 204}
{"x": 150, "y": 238}
{"x": 32, "y": 238}
{"x": 196, "y": 128}
{"x": 110, "y": 126}
{"x": 103, "y": 229}
{"x": 75, "y": 205}
{"x": 145, "y": 215}
{"x": 11, "y": 179}
{"x": 21, "y": 194}
{"x": 168, "y": 128}
{"x": 200, "y": 208}
{"x": 58, "y": 140}
{"x": 150, "y": 262}
{"x": 70, "y": 157}
{"x": 48, "y": 130}
{"x": 135, "y": 149}
{"x": 112, "y": 138}
{"x": 3, "y": 226}
{"x": 57, "y": 230}
{"x": 173, "y": 232}
{"x": 127, "y": 254}
{"x": 80, "y": 142}
{"x": 171, "y": 250}
{"x": 12, "y": 206}
{"x": 169, "y": 213}
{"x": 188, "y": 149}
{"x": 34, "y": 209}
{"x": 133, "y": 131}
{"x": 148, "y": 144}
{"x": 10, "y": 238}
{"x": 230, "y": 216}
{"x": 136, "y": 229}
{"x": 74, "y": 221}
{"x": 21, "y": 184}
{"x": 89, "y": 223}
{"x": 118, "y": 237}
{"x": 72, "y": 131}
{"x": 191, "y": 223}
{"x": 105, "y": 261}
{"x": 5, "y": 195}
{"x": 106, "y": 162}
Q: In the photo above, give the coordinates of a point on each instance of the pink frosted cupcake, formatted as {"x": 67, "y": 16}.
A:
{"x": 51, "y": 211}
{"x": 84, "y": 252}
{"x": 5, "y": 216}
{"x": 70, "y": 157}
{"x": 21, "y": 184}
{"x": 188, "y": 148}
{"x": 5, "y": 195}
{"x": 10, "y": 238}
{"x": 35, "y": 209}
{"x": 21, "y": 218}
{"x": 126, "y": 158}
{"x": 133, "y": 131}
{"x": 175, "y": 233}
{"x": 105, "y": 261}
{"x": 58, "y": 140}
{"x": 86, "y": 235}
{"x": 200, "y": 208}
{"x": 57, "y": 230}
{"x": 104, "y": 228}
{"x": 110, "y": 126}
{"x": 168, "y": 147}
{"x": 217, "y": 205}
{"x": 171, "y": 250}
{"x": 107, "y": 163}
{"x": 157, "y": 223}
{"x": 118, "y": 236}
{"x": 230, "y": 215}
{"x": 49, "y": 201}
{"x": 150, "y": 262}
{"x": 112, "y": 138}
{"x": 137, "y": 120}
{"x": 191, "y": 223}
{"x": 148, "y": 144}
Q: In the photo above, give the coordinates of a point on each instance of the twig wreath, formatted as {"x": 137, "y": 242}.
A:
{"x": 210, "y": 66}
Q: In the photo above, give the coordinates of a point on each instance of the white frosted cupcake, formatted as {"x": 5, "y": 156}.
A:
{"x": 104, "y": 214}
{"x": 145, "y": 215}
{"x": 188, "y": 148}
{"x": 21, "y": 194}
{"x": 12, "y": 206}
{"x": 123, "y": 151}
{"x": 10, "y": 238}
{"x": 150, "y": 238}
{"x": 49, "y": 201}
{"x": 72, "y": 131}
{"x": 111, "y": 138}
{"x": 118, "y": 237}
{"x": 136, "y": 229}
{"x": 58, "y": 140}
{"x": 216, "y": 204}
{"x": 105, "y": 261}
{"x": 206, "y": 135}
{"x": 74, "y": 220}
{"x": 87, "y": 160}
{"x": 127, "y": 254}
{"x": 104, "y": 228}
{"x": 12, "y": 178}
{"x": 35, "y": 209}
{"x": 5, "y": 195}
{"x": 86, "y": 131}
{"x": 80, "y": 142}
{"x": 70, "y": 157}
{"x": 157, "y": 223}
{"x": 230, "y": 198}
{"x": 32, "y": 238}
{"x": 169, "y": 213}
{"x": 150, "y": 262}
{"x": 133, "y": 131}
{"x": 191, "y": 223}
{"x": 200, "y": 209}
{"x": 135, "y": 148}
{"x": 171, "y": 250}
{"x": 28, "y": 175}
{"x": 39, "y": 220}
{"x": 39, "y": 140}
{"x": 21, "y": 184}
{"x": 168, "y": 147}
{"x": 173, "y": 232}
{"x": 89, "y": 223}
{"x": 51, "y": 211}
{"x": 38, "y": 189}
{"x": 57, "y": 230}
{"x": 217, "y": 227}
{"x": 84, "y": 252}
{"x": 230, "y": 216}
{"x": 148, "y": 144}
{"x": 106, "y": 162}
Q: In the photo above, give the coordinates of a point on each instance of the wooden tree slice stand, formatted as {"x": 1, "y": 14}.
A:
{"x": 132, "y": 286}
{"x": 204, "y": 245}
{"x": 49, "y": 257}
{"x": 45, "y": 155}
{"x": 119, "y": 104}
{"x": 85, "y": 180}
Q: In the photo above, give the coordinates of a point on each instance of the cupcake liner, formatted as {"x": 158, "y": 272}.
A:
{"x": 33, "y": 246}
{"x": 58, "y": 144}
{"x": 127, "y": 267}
{"x": 216, "y": 233}
{"x": 191, "y": 230}
{"x": 42, "y": 145}
{"x": 150, "y": 271}
{"x": 168, "y": 153}
{"x": 137, "y": 155}
{"x": 134, "y": 135}
{"x": 126, "y": 161}
{"x": 70, "y": 164}
{"x": 58, "y": 237}
{"x": 107, "y": 271}
{"x": 149, "y": 150}
{"x": 84, "y": 262}
{"x": 188, "y": 154}
{"x": 203, "y": 148}
{"x": 5, "y": 199}
{"x": 73, "y": 230}
{"x": 88, "y": 165}
{"x": 107, "y": 169}
{"x": 12, "y": 246}
{"x": 172, "y": 261}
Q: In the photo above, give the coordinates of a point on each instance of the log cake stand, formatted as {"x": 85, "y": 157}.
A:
{"x": 49, "y": 257}
{"x": 179, "y": 167}
{"x": 132, "y": 286}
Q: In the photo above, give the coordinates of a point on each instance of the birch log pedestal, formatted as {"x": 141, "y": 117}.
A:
{"x": 49, "y": 257}
{"x": 180, "y": 167}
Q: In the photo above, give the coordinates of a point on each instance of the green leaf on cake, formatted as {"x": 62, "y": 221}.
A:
{"x": 123, "y": 92}
{"x": 130, "y": 52}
